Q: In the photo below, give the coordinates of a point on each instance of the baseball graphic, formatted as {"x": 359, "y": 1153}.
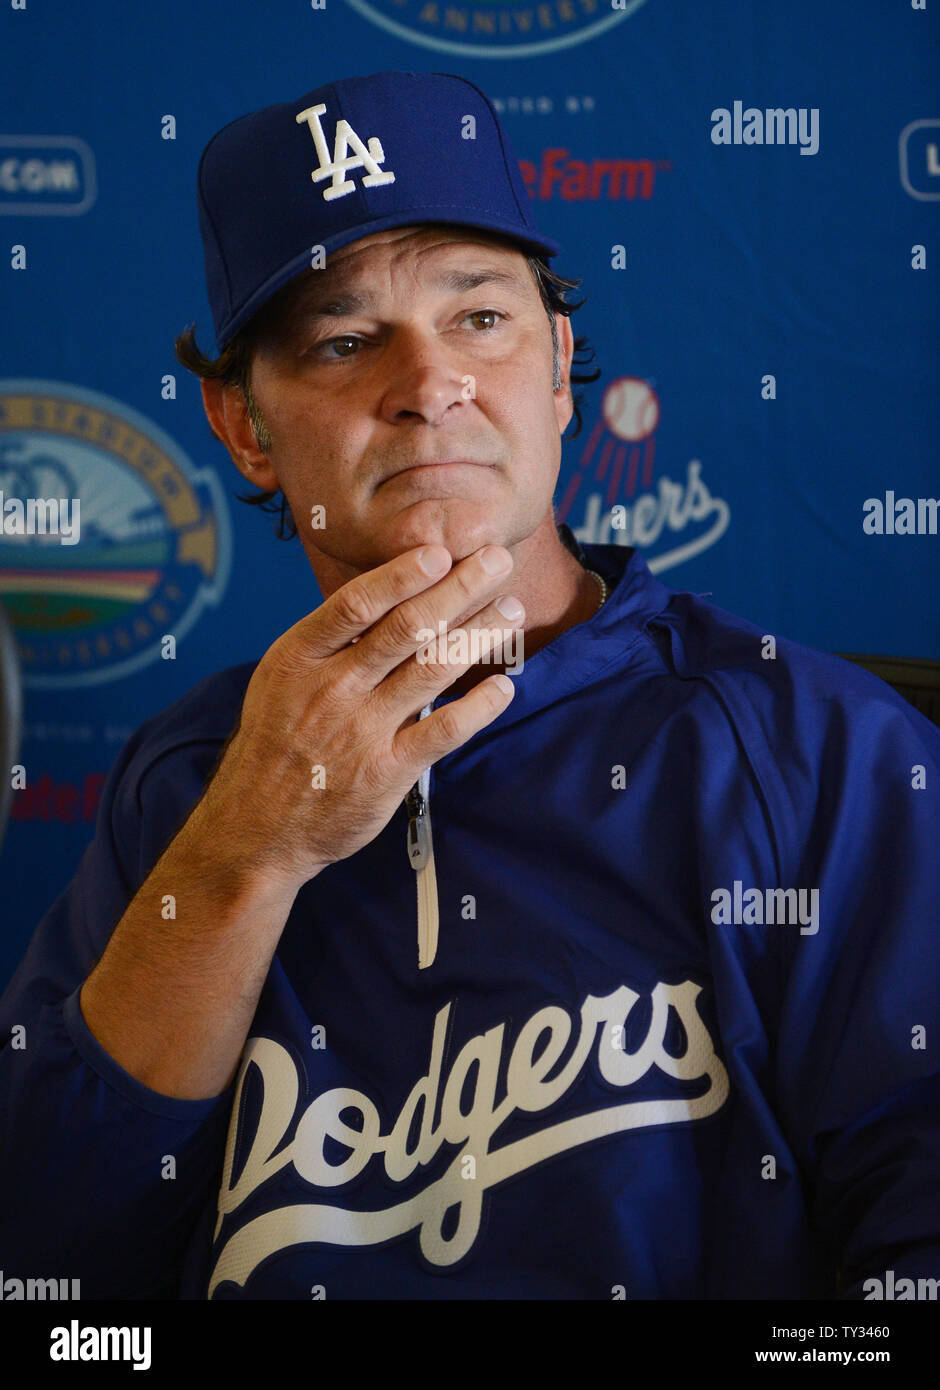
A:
{"x": 630, "y": 408}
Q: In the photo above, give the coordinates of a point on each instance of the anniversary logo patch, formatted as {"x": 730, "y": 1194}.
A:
{"x": 496, "y": 28}
{"x": 109, "y": 537}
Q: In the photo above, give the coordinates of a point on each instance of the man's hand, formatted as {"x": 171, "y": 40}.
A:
{"x": 171, "y": 999}
{"x": 340, "y": 691}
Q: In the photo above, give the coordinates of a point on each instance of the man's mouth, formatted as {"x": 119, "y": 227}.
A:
{"x": 444, "y": 463}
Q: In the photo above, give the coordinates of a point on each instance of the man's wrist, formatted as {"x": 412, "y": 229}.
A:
{"x": 232, "y": 865}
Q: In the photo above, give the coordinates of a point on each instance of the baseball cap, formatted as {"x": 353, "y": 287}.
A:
{"x": 347, "y": 159}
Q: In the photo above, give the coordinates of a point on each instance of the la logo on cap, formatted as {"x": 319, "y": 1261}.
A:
{"x": 366, "y": 157}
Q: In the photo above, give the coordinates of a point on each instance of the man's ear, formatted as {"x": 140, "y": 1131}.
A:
{"x": 564, "y": 402}
{"x": 227, "y": 413}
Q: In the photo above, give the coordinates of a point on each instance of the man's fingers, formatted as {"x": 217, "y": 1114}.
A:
{"x": 362, "y": 602}
{"x": 410, "y": 625}
{"x": 489, "y": 637}
{"x": 453, "y": 724}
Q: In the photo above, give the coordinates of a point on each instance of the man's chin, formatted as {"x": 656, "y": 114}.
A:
{"x": 460, "y": 526}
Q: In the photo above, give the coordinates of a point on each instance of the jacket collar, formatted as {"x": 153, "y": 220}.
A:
{"x": 577, "y": 656}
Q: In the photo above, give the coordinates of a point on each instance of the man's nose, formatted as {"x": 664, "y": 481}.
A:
{"x": 424, "y": 379}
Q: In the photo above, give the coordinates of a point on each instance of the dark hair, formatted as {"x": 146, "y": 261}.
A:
{"x": 233, "y": 365}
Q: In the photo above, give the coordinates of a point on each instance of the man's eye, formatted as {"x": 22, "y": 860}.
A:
{"x": 321, "y": 349}
{"x": 346, "y": 338}
{"x": 487, "y": 313}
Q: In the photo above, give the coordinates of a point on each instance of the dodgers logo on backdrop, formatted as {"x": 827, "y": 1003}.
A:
{"x": 611, "y": 498}
{"x": 496, "y": 28}
{"x": 153, "y": 547}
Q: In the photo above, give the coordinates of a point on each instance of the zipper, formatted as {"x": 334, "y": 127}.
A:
{"x": 421, "y": 858}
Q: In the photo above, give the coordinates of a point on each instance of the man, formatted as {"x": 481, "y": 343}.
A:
{"x": 661, "y": 1021}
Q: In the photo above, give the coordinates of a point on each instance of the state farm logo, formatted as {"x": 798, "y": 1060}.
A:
{"x": 611, "y": 498}
{"x": 590, "y": 180}
{"x": 69, "y": 802}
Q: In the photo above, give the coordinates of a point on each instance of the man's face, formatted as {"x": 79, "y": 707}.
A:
{"x": 412, "y": 408}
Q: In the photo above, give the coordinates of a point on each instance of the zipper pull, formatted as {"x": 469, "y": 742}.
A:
{"x": 419, "y": 840}
{"x": 419, "y": 835}
{"x": 421, "y": 859}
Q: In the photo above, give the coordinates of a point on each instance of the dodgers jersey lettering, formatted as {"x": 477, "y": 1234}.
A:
{"x": 602, "y": 1081}
{"x": 477, "y": 1166}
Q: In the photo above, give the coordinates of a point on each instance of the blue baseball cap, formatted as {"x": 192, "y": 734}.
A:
{"x": 348, "y": 159}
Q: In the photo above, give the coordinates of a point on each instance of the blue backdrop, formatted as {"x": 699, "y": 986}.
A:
{"x": 759, "y": 298}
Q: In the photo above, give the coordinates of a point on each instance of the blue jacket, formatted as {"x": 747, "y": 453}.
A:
{"x": 678, "y": 1038}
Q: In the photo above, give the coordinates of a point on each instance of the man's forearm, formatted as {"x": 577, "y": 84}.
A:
{"x": 173, "y": 996}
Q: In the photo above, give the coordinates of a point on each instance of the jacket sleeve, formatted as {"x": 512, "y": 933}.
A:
{"x": 102, "y": 1179}
{"x": 859, "y": 1032}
